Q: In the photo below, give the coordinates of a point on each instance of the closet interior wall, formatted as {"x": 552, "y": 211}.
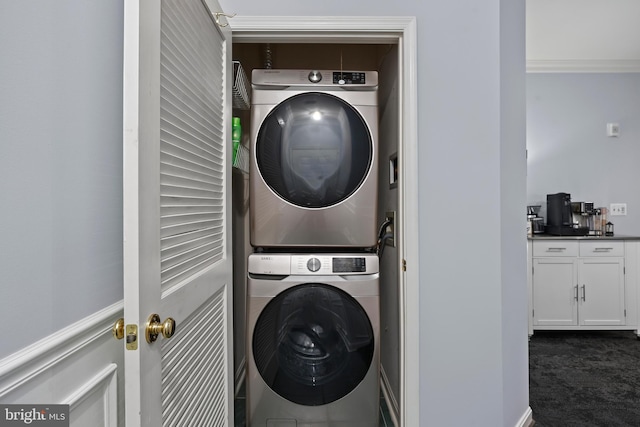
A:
{"x": 329, "y": 56}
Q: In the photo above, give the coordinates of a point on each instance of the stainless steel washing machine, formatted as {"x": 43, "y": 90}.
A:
{"x": 314, "y": 165}
{"x": 313, "y": 340}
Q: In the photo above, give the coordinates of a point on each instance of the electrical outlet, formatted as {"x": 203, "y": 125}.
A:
{"x": 391, "y": 216}
{"x": 618, "y": 209}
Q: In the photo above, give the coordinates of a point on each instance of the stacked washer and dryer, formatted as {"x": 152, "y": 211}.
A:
{"x": 313, "y": 334}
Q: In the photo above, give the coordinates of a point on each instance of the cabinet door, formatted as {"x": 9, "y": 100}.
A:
{"x": 555, "y": 282}
{"x": 602, "y": 299}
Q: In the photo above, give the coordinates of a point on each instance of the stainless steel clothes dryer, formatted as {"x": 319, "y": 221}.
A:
{"x": 314, "y": 165}
{"x": 313, "y": 340}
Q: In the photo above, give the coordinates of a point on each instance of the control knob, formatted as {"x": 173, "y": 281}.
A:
{"x": 315, "y": 76}
{"x": 313, "y": 264}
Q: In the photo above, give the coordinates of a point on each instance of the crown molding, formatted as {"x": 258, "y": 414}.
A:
{"x": 583, "y": 66}
{"x": 328, "y": 29}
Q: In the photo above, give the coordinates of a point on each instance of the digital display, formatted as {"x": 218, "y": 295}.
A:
{"x": 349, "y": 265}
{"x": 349, "y": 78}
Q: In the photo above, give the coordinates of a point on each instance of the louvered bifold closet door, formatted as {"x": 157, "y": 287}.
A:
{"x": 192, "y": 154}
{"x": 192, "y": 209}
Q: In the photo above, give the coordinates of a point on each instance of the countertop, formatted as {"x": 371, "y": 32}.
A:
{"x": 550, "y": 237}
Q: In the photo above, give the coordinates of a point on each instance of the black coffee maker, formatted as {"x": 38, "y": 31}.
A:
{"x": 560, "y": 217}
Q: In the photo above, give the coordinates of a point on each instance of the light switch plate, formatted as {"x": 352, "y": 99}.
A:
{"x": 613, "y": 129}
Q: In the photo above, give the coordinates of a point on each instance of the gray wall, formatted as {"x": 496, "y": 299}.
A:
{"x": 568, "y": 148}
{"x": 60, "y": 125}
{"x": 473, "y": 349}
{"x": 514, "y": 296}
{"x": 390, "y": 293}
{"x": 60, "y": 164}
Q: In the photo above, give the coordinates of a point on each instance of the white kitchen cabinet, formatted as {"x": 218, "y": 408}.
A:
{"x": 555, "y": 291}
{"x": 601, "y": 292}
{"x": 582, "y": 284}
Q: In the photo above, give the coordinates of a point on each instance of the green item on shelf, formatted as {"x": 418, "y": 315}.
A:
{"x": 236, "y": 136}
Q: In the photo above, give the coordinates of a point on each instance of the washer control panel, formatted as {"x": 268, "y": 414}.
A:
{"x": 349, "y": 265}
{"x": 328, "y": 264}
{"x": 313, "y": 264}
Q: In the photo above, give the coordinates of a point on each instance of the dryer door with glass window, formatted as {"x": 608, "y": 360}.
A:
{"x": 314, "y": 150}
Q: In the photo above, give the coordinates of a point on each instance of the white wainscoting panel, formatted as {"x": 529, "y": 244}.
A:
{"x": 80, "y": 365}
{"x": 96, "y": 400}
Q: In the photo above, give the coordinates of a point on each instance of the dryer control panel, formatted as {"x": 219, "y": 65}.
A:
{"x": 276, "y": 78}
{"x": 349, "y": 78}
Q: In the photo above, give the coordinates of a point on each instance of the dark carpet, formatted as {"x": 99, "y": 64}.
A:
{"x": 584, "y": 378}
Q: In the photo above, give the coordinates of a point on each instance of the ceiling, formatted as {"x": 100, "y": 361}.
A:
{"x": 583, "y": 35}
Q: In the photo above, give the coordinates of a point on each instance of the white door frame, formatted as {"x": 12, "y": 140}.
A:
{"x": 371, "y": 29}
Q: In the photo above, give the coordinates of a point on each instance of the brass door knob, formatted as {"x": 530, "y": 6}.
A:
{"x": 155, "y": 328}
{"x": 118, "y": 329}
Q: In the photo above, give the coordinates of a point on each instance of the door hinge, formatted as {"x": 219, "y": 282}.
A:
{"x": 533, "y": 312}
{"x": 532, "y": 270}
{"x": 404, "y": 265}
{"x": 625, "y": 312}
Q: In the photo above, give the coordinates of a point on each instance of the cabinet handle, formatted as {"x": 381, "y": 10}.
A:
{"x": 602, "y": 249}
{"x": 576, "y": 292}
{"x": 584, "y": 292}
{"x": 555, "y": 249}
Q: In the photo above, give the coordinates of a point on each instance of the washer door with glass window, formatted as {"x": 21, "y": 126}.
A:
{"x": 314, "y": 150}
{"x": 313, "y": 344}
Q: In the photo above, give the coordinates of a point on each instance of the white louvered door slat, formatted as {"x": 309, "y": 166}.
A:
{"x": 186, "y": 386}
{"x": 177, "y": 212}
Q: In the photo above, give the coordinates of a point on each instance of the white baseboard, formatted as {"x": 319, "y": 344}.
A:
{"x": 80, "y": 365}
{"x": 526, "y": 420}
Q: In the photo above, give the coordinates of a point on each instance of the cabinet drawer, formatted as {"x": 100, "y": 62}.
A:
{"x": 555, "y": 248}
{"x": 602, "y": 248}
